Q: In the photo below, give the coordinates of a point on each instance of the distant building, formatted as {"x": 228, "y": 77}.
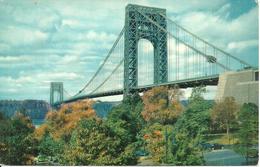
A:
{"x": 242, "y": 85}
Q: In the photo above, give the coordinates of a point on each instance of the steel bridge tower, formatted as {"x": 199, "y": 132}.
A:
{"x": 138, "y": 27}
{"x": 56, "y": 87}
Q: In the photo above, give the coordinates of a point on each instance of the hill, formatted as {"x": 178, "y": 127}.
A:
{"x": 35, "y": 109}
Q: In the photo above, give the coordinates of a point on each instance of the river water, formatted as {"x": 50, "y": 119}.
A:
{"x": 37, "y": 122}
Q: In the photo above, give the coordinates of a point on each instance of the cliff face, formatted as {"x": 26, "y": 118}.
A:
{"x": 103, "y": 108}
{"x": 35, "y": 109}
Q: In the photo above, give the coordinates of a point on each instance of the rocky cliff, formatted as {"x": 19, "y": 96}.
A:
{"x": 103, "y": 108}
{"x": 35, "y": 109}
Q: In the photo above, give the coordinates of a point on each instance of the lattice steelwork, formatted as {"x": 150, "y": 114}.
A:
{"x": 136, "y": 28}
{"x": 179, "y": 57}
{"x": 56, "y": 87}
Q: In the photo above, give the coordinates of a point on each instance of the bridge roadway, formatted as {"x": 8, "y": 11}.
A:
{"x": 192, "y": 82}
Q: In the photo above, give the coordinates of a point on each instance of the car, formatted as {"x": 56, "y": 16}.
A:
{"x": 206, "y": 146}
{"x": 217, "y": 146}
{"x": 140, "y": 153}
{"x": 253, "y": 153}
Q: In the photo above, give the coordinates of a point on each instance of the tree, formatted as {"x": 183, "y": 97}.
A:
{"x": 197, "y": 95}
{"x": 61, "y": 123}
{"x": 160, "y": 107}
{"x": 75, "y": 136}
{"x": 48, "y": 147}
{"x": 248, "y": 129}
{"x": 225, "y": 113}
{"x": 17, "y": 146}
{"x": 197, "y": 112}
{"x": 185, "y": 149}
{"x": 189, "y": 127}
{"x": 159, "y": 143}
{"x": 125, "y": 119}
{"x": 94, "y": 143}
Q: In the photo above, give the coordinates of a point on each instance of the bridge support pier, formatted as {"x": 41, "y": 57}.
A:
{"x": 56, "y": 87}
{"x": 138, "y": 27}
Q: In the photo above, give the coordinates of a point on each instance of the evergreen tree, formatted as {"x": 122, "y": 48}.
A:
{"x": 248, "y": 129}
{"x": 188, "y": 129}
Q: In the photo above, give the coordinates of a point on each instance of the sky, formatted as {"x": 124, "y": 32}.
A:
{"x": 43, "y": 40}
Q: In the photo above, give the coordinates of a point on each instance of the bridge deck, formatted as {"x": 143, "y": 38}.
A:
{"x": 208, "y": 80}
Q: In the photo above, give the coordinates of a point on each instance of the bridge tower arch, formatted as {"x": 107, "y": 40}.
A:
{"x": 138, "y": 27}
{"x": 56, "y": 87}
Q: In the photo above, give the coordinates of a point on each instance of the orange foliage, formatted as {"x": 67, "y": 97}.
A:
{"x": 146, "y": 136}
{"x": 24, "y": 119}
{"x": 161, "y": 105}
{"x": 157, "y": 133}
{"x": 62, "y": 122}
{"x": 29, "y": 159}
{"x": 40, "y": 131}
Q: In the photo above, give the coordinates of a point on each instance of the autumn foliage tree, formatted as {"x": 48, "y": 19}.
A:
{"x": 56, "y": 133}
{"x": 61, "y": 123}
{"x": 225, "y": 113}
{"x": 161, "y": 105}
{"x": 161, "y": 109}
{"x": 155, "y": 140}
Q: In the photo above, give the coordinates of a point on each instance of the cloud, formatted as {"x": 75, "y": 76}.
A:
{"x": 68, "y": 59}
{"x": 43, "y": 41}
{"x": 12, "y": 59}
{"x": 48, "y": 77}
{"x": 209, "y": 95}
{"x": 225, "y": 33}
{"x": 241, "y": 45}
{"x": 220, "y": 31}
{"x": 21, "y": 36}
{"x": 37, "y": 16}
{"x": 72, "y": 23}
{"x": 4, "y": 47}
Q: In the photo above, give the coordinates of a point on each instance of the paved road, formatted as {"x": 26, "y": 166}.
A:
{"x": 224, "y": 157}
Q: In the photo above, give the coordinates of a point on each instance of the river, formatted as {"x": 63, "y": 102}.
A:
{"x": 37, "y": 122}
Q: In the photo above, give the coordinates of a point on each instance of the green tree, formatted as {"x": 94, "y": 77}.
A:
{"x": 17, "y": 146}
{"x": 125, "y": 119}
{"x": 225, "y": 113}
{"x": 49, "y": 147}
{"x": 248, "y": 129}
{"x": 94, "y": 143}
{"x": 158, "y": 142}
{"x": 188, "y": 129}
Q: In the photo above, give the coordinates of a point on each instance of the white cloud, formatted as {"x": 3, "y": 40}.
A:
{"x": 72, "y": 23}
{"x": 100, "y": 36}
{"x": 20, "y": 80}
{"x": 52, "y": 76}
{"x": 30, "y": 14}
{"x": 241, "y": 45}
{"x": 209, "y": 95}
{"x": 12, "y": 59}
{"x": 22, "y": 36}
{"x": 12, "y": 62}
{"x": 219, "y": 31}
{"x": 4, "y": 47}
{"x": 68, "y": 59}
{"x": 68, "y": 42}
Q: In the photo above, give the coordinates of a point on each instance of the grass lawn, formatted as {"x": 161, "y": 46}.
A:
{"x": 220, "y": 138}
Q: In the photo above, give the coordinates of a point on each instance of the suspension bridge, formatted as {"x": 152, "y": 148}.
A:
{"x": 172, "y": 56}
